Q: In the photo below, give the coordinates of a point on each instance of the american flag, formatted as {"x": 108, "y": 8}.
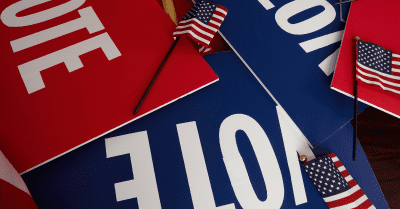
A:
{"x": 336, "y": 186}
{"x": 378, "y": 66}
{"x": 201, "y": 23}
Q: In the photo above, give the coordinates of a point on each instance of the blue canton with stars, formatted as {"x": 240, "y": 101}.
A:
{"x": 202, "y": 11}
{"x": 326, "y": 177}
{"x": 375, "y": 57}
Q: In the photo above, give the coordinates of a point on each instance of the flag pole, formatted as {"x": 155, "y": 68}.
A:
{"x": 258, "y": 79}
{"x": 355, "y": 102}
{"x": 156, "y": 75}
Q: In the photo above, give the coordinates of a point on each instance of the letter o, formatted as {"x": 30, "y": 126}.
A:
{"x": 307, "y": 26}
{"x": 236, "y": 169}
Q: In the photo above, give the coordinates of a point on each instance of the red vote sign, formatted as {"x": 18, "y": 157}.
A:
{"x": 72, "y": 71}
{"x": 378, "y": 23}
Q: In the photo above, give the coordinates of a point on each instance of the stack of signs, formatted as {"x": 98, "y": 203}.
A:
{"x": 223, "y": 147}
{"x": 292, "y": 47}
{"x": 219, "y": 148}
{"x": 73, "y": 71}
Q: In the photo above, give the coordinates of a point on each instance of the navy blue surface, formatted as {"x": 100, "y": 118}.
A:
{"x": 291, "y": 74}
{"x": 85, "y": 178}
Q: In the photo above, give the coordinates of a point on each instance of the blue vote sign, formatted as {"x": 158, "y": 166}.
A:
{"x": 292, "y": 46}
{"x": 221, "y": 148}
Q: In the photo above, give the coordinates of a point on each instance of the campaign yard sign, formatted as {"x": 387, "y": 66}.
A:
{"x": 73, "y": 70}
{"x": 219, "y": 148}
{"x": 373, "y": 22}
{"x": 292, "y": 46}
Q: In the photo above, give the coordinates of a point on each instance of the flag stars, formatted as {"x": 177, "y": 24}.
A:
{"x": 326, "y": 180}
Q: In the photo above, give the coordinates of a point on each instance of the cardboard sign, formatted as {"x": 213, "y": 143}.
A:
{"x": 374, "y": 22}
{"x": 188, "y": 155}
{"x": 75, "y": 70}
{"x": 292, "y": 45}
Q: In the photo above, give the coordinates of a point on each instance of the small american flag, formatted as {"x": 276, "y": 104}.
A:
{"x": 201, "y": 23}
{"x": 378, "y": 66}
{"x": 336, "y": 186}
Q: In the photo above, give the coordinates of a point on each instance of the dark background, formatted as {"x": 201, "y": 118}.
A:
{"x": 379, "y": 135}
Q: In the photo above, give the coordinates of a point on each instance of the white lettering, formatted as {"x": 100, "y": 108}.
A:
{"x": 307, "y": 26}
{"x": 9, "y": 15}
{"x": 329, "y": 64}
{"x": 88, "y": 20}
{"x": 266, "y": 4}
{"x": 30, "y": 71}
{"x": 196, "y": 169}
{"x": 294, "y": 142}
{"x": 322, "y": 41}
{"x": 144, "y": 185}
{"x": 236, "y": 168}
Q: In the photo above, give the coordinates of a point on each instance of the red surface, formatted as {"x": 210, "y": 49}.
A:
{"x": 78, "y": 106}
{"x": 376, "y": 22}
{"x": 11, "y": 197}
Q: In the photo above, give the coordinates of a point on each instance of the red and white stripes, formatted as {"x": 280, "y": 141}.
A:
{"x": 200, "y": 32}
{"x": 354, "y": 198}
{"x": 385, "y": 81}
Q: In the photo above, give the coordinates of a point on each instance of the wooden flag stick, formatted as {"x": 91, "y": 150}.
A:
{"x": 155, "y": 76}
{"x": 355, "y": 102}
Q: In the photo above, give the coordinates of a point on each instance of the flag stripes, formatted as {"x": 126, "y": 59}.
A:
{"x": 204, "y": 50}
{"x": 386, "y": 82}
{"x": 352, "y": 198}
{"x": 201, "y": 24}
{"x": 383, "y": 68}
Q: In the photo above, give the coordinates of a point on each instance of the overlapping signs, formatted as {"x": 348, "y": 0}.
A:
{"x": 194, "y": 154}
{"x": 200, "y": 153}
{"x": 292, "y": 47}
{"x": 73, "y": 70}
